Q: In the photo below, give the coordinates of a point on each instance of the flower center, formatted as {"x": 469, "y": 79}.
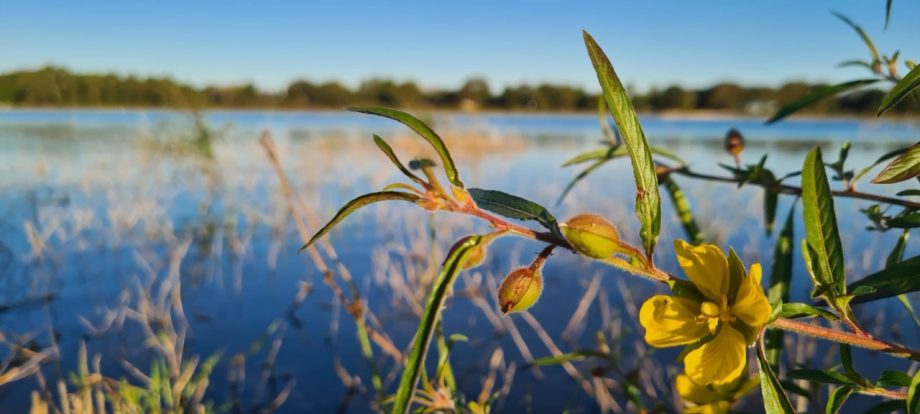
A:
{"x": 715, "y": 311}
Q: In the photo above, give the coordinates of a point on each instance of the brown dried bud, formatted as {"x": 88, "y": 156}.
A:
{"x": 520, "y": 290}
{"x": 734, "y": 142}
{"x": 591, "y": 235}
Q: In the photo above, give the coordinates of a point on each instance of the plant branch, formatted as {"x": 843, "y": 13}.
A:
{"x": 861, "y": 340}
{"x": 793, "y": 190}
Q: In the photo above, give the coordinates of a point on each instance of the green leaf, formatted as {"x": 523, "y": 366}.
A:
{"x": 895, "y": 257}
{"x": 836, "y": 399}
{"x": 684, "y": 212}
{"x": 648, "y": 202}
{"x": 821, "y": 376}
{"x": 770, "y": 200}
{"x": 892, "y": 281}
{"x": 817, "y": 95}
{"x": 846, "y": 359}
{"x": 603, "y": 154}
{"x": 913, "y": 395}
{"x": 425, "y": 131}
{"x": 883, "y": 158}
{"x": 904, "y": 221}
{"x": 515, "y": 207}
{"x": 910, "y": 192}
{"x": 873, "y": 52}
{"x": 905, "y": 167}
{"x": 780, "y": 279}
{"x": 886, "y": 407}
{"x": 887, "y": 13}
{"x": 775, "y": 400}
{"x": 393, "y": 158}
{"x": 580, "y": 176}
{"x": 430, "y": 317}
{"x": 822, "y": 237}
{"x": 357, "y": 203}
{"x": 803, "y": 310}
{"x": 890, "y": 379}
{"x": 904, "y": 87}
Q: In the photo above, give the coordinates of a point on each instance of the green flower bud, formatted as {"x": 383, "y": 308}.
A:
{"x": 591, "y": 235}
{"x": 476, "y": 255}
{"x": 520, "y": 290}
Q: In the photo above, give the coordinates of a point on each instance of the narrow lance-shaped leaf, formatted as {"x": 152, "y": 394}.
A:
{"x": 395, "y": 160}
{"x": 885, "y": 157}
{"x": 894, "y": 280}
{"x": 817, "y": 95}
{"x": 425, "y": 131}
{"x": 897, "y": 253}
{"x": 903, "y": 168}
{"x": 775, "y": 400}
{"x": 580, "y": 176}
{"x": 780, "y": 280}
{"x": 887, "y": 13}
{"x": 683, "y": 210}
{"x": 913, "y": 395}
{"x": 873, "y": 51}
{"x": 770, "y": 200}
{"x": 904, "y": 87}
{"x": 357, "y": 203}
{"x": 515, "y": 207}
{"x": 648, "y": 202}
{"x": 822, "y": 237}
{"x": 611, "y": 152}
{"x": 430, "y": 317}
{"x": 836, "y": 399}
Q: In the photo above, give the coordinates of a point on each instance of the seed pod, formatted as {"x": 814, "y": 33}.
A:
{"x": 591, "y": 235}
{"x": 520, "y": 290}
{"x": 734, "y": 144}
{"x": 476, "y": 255}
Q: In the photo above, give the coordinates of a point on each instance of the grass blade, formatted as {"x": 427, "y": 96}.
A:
{"x": 648, "y": 201}
{"x": 817, "y": 95}
{"x": 904, "y": 87}
{"x": 439, "y": 291}
{"x": 425, "y": 131}
{"x": 357, "y": 203}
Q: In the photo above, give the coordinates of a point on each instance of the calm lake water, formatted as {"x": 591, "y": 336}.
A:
{"x": 95, "y": 203}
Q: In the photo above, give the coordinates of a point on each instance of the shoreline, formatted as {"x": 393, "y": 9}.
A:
{"x": 701, "y": 115}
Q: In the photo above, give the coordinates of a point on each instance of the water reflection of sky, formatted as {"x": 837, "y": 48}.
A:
{"x": 93, "y": 175}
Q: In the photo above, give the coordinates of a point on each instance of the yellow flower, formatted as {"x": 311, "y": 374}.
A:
{"x": 707, "y": 400}
{"x": 732, "y": 305}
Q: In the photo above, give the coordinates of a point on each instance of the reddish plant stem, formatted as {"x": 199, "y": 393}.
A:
{"x": 861, "y": 340}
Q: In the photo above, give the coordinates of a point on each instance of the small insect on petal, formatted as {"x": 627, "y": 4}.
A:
{"x": 520, "y": 290}
{"x": 591, "y": 235}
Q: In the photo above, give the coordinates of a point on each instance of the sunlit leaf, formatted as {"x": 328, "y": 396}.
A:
{"x": 425, "y": 131}
{"x": 887, "y": 156}
{"x": 804, "y": 310}
{"x": 822, "y": 237}
{"x": 817, "y": 95}
{"x": 394, "y": 159}
{"x": 357, "y": 203}
{"x": 821, "y": 376}
{"x": 905, "y": 167}
{"x": 904, "y": 87}
{"x": 890, "y": 379}
{"x": 648, "y": 202}
{"x": 775, "y": 400}
{"x": 515, "y": 207}
{"x": 873, "y": 52}
{"x": 430, "y": 317}
{"x": 894, "y": 280}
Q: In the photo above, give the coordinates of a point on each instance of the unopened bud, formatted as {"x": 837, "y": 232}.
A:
{"x": 520, "y": 290}
{"x": 734, "y": 142}
{"x": 430, "y": 203}
{"x": 476, "y": 255}
{"x": 591, "y": 235}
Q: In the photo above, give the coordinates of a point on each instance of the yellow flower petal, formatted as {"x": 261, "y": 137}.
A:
{"x": 718, "y": 361}
{"x": 706, "y": 267}
{"x": 693, "y": 392}
{"x": 671, "y": 321}
{"x": 751, "y": 305}
{"x": 719, "y": 407}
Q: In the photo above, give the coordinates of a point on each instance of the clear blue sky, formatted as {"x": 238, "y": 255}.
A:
{"x": 440, "y": 44}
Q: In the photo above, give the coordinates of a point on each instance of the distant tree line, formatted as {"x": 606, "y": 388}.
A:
{"x": 53, "y": 86}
